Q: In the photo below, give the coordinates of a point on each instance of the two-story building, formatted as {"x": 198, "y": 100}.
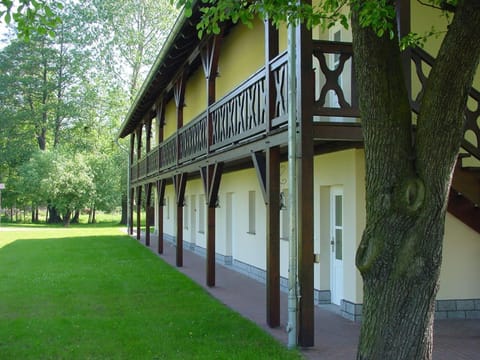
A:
{"x": 208, "y": 135}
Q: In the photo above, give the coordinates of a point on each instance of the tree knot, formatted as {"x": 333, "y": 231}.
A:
{"x": 412, "y": 194}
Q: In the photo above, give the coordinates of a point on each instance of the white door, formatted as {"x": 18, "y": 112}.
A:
{"x": 336, "y": 245}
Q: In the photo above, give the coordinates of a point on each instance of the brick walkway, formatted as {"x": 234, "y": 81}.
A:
{"x": 335, "y": 337}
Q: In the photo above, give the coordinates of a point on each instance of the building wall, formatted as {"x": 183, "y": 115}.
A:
{"x": 242, "y": 54}
{"x": 195, "y": 96}
{"x": 461, "y": 265}
{"x": 170, "y": 119}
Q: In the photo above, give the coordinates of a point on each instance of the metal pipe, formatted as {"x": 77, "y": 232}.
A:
{"x": 292, "y": 193}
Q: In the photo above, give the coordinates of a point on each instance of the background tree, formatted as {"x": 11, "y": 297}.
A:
{"x": 407, "y": 177}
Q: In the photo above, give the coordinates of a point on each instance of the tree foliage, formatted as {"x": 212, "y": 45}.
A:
{"x": 31, "y": 16}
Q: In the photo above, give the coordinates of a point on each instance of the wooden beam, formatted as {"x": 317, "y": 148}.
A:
{"x": 273, "y": 236}
{"x": 180, "y": 182}
{"x": 306, "y": 328}
{"x": 160, "y": 203}
{"x": 337, "y": 131}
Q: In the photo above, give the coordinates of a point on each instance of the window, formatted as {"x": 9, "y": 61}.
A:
{"x": 251, "y": 212}
{"x": 201, "y": 214}
{"x": 338, "y": 227}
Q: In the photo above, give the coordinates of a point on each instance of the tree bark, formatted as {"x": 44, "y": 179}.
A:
{"x": 54, "y": 216}
{"x": 66, "y": 218}
{"x": 76, "y": 217}
{"x": 123, "y": 220}
{"x": 407, "y": 182}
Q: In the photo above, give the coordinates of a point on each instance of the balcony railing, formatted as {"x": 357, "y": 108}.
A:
{"x": 423, "y": 62}
{"x": 241, "y": 114}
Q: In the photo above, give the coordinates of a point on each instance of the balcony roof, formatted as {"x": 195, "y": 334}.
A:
{"x": 174, "y": 53}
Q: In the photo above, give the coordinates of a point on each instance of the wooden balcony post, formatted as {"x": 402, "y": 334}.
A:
{"x": 148, "y": 194}
{"x": 179, "y": 95}
{"x": 139, "y": 211}
{"x": 271, "y": 51}
{"x": 179, "y": 182}
{"x": 131, "y": 159}
{"x": 267, "y": 167}
{"x": 148, "y": 143}
{"x": 211, "y": 176}
{"x": 131, "y": 208}
{"x": 209, "y": 56}
{"x": 305, "y": 186}
{"x": 160, "y": 203}
{"x": 273, "y": 236}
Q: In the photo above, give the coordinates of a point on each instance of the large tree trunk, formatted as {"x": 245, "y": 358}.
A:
{"x": 54, "y": 217}
{"x": 407, "y": 182}
{"x": 66, "y": 218}
{"x": 76, "y": 217}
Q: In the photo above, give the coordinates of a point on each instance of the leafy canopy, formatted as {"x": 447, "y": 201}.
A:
{"x": 376, "y": 14}
{"x": 31, "y": 15}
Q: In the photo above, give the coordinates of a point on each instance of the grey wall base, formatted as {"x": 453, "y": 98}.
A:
{"x": 444, "y": 309}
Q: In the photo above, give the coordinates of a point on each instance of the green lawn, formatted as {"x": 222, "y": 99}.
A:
{"x": 93, "y": 293}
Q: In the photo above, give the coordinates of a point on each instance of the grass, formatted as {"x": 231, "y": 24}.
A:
{"x": 92, "y": 293}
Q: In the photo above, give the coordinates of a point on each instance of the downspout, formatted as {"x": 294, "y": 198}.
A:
{"x": 292, "y": 193}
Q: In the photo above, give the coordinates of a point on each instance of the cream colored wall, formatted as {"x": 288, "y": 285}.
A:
{"x": 241, "y": 55}
{"x": 461, "y": 265}
{"x": 192, "y": 229}
{"x": 248, "y": 248}
{"x": 170, "y": 119}
{"x": 195, "y": 96}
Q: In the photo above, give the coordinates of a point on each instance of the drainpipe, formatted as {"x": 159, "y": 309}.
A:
{"x": 292, "y": 193}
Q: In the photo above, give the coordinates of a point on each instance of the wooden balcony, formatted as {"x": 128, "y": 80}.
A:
{"x": 242, "y": 115}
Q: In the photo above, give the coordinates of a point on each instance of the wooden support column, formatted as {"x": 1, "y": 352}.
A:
{"x": 267, "y": 167}
{"x": 131, "y": 209}
{"x": 271, "y": 51}
{"x": 130, "y": 189}
{"x": 139, "y": 188}
{"x": 179, "y": 96}
{"x": 209, "y": 56}
{"x": 305, "y": 86}
{"x": 148, "y": 196}
{"x": 139, "y": 211}
{"x": 160, "y": 203}
{"x": 211, "y": 176}
{"x": 148, "y": 187}
{"x": 273, "y": 237}
{"x": 180, "y": 182}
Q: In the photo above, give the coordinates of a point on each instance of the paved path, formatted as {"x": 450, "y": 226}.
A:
{"x": 335, "y": 336}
